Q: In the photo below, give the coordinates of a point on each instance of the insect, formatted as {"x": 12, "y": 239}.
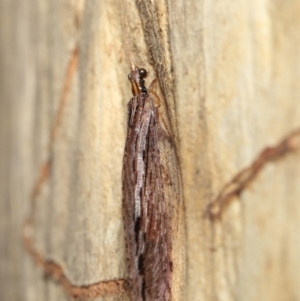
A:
{"x": 152, "y": 204}
{"x": 148, "y": 245}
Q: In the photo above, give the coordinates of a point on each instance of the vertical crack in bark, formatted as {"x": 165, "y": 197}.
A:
{"x": 242, "y": 180}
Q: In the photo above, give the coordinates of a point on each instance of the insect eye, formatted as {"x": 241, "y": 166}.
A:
{"x": 143, "y": 73}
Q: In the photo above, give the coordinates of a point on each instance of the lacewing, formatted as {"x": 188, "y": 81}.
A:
{"x": 152, "y": 204}
{"x": 146, "y": 226}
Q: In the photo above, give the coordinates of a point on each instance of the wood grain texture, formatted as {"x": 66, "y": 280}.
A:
{"x": 229, "y": 73}
{"x": 236, "y": 69}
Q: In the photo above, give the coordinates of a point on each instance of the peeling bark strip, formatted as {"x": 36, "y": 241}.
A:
{"x": 146, "y": 221}
{"x": 242, "y": 180}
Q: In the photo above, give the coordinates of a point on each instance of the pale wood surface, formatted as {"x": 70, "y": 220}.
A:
{"x": 230, "y": 75}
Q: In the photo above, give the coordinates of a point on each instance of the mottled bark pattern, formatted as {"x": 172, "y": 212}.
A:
{"x": 144, "y": 208}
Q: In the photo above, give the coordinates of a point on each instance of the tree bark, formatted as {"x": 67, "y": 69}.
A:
{"x": 229, "y": 73}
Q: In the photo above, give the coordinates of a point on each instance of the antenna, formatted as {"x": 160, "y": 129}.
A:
{"x": 125, "y": 30}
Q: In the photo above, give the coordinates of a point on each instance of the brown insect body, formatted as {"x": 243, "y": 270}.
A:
{"x": 144, "y": 209}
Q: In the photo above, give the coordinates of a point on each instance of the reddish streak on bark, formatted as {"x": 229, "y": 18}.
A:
{"x": 46, "y": 166}
{"x": 43, "y": 176}
{"x": 72, "y": 66}
{"x": 52, "y": 269}
{"x": 242, "y": 180}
